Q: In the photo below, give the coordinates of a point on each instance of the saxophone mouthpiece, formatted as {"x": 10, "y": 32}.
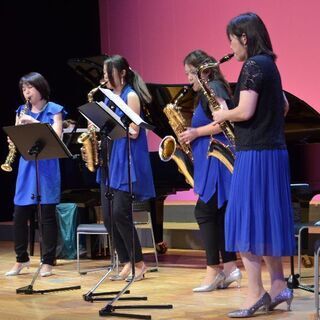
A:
{"x": 226, "y": 58}
{"x": 180, "y": 95}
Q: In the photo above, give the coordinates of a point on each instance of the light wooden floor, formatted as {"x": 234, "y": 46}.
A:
{"x": 167, "y": 286}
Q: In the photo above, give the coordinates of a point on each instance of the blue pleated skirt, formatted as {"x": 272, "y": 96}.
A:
{"x": 259, "y": 217}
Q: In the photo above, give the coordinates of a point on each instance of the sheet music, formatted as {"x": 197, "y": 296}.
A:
{"x": 114, "y": 116}
{"x": 136, "y": 119}
{"x": 79, "y": 130}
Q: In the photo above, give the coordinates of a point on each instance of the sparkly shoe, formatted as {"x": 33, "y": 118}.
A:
{"x": 264, "y": 301}
{"x": 235, "y": 275}
{"x": 15, "y": 271}
{"x": 286, "y": 295}
{"x": 217, "y": 282}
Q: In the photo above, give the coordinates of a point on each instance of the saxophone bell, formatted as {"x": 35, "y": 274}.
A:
{"x": 7, "y": 165}
{"x": 167, "y": 148}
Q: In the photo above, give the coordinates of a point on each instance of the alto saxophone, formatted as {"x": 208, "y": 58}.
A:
{"x": 168, "y": 148}
{"x": 89, "y": 141}
{"x": 217, "y": 148}
{"x": 7, "y": 165}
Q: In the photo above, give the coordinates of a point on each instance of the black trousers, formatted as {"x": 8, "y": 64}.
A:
{"x": 21, "y": 216}
{"x": 211, "y": 223}
{"x": 122, "y": 227}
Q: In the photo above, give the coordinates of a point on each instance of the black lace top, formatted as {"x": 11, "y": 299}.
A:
{"x": 265, "y": 129}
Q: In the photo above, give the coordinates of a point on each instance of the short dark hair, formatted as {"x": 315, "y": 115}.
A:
{"x": 258, "y": 39}
{"x": 38, "y": 81}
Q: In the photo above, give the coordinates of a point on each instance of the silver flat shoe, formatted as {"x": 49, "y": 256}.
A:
{"x": 264, "y": 301}
{"x": 218, "y": 280}
{"x": 286, "y": 295}
{"x": 234, "y": 276}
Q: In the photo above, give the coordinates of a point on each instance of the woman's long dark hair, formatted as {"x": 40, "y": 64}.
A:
{"x": 258, "y": 39}
{"x": 38, "y": 81}
{"x": 198, "y": 57}
{"x": 132, "y": 77}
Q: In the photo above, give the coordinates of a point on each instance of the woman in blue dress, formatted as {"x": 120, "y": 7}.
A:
{"x": 211, "y": 178}
{"x": 35, "y": 91}
{"x": 259, "y": 222}
{"x": 130, "y": 87}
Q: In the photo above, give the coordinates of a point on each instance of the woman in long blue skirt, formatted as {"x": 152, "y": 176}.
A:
{"x": 259, "y": 221}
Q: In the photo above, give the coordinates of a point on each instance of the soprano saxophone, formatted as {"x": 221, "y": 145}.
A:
{"x": 7, "y": 165}
{"x": 217, "y": 148}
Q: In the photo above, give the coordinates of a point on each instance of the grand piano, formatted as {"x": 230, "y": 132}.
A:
{"x": 302, "y": 129}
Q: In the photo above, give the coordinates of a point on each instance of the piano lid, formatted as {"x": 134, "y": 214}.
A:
{"x": 90, "y": 69}
{"x": 302, "y": 121}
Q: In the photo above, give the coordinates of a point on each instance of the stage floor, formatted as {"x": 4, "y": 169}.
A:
{"x": 170, "y": 285}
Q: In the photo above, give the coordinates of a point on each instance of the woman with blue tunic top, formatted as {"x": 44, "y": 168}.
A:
{"x": 129, "y": 86}
{"x": 35, "y": 90}
{"x": 259, "y": 221}
{"x": 211, "y": 178}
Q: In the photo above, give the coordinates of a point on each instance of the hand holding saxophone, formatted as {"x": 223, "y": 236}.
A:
{"x": 188, "y": 135}
{"x": 25, "y": 119}
{"x": 219, "y": 116}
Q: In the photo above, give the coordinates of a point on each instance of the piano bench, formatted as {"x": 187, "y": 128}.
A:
{"x": 90, "y": 229}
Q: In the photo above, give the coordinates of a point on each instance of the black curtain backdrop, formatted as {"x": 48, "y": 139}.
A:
{"x": 41, "y": 36}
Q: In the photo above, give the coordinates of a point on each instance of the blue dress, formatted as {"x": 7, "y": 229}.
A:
{"x": 259, "y": 216}
{"x": 210, "y": 174}
{"x": 49, "y": 170}
{"x": 140, "y": 169}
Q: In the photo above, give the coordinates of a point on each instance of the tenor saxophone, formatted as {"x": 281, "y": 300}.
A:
{"x": 7, "y": 165}
{"x": 216, "y": 148}
{"x": 169, "y": 148}
{"x": 89, "y": 141}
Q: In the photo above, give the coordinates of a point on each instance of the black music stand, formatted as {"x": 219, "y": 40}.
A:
{"x": 129, "y": 117}
{"x": 38, "y": 141}
{"x": 111, "y": 128}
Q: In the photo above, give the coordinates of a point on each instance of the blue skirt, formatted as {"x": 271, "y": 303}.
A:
{"x": 259, "y": 217}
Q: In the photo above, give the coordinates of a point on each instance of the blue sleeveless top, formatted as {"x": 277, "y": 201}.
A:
{"x": 49, "y": 170}
{"x": 140, "y": 169}
{"x": 210, "y": 174}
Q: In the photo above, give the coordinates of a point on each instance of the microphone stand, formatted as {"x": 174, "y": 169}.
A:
{"x": 35, "y": 151}
{"x": 109, "y": 309}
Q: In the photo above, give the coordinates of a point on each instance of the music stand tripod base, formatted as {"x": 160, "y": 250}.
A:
{"x": 29, "y": 290}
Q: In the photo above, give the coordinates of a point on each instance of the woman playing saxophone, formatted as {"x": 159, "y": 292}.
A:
{"x": 35, "y": 89}
{"x": 211, "y": 177}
